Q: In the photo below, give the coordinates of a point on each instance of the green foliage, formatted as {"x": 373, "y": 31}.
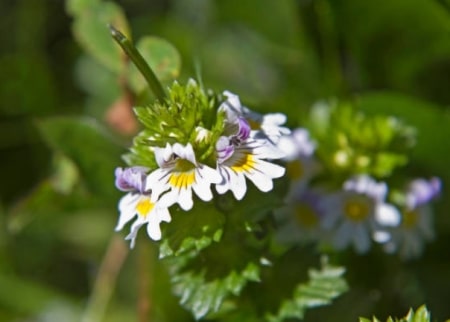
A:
{"x": 90, "y": 29}
{"x": 324, "y": 285}
{"x": 57, "y": 202}
{"x": 351, "y": 142}
{"x": 188, "y": 110}
{"x": 88, "y": 145}
{"x": 421, "y": 315}
{"x": 161, "y": 56}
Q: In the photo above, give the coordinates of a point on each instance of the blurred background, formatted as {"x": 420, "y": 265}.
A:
{"x": 65, "y": 121}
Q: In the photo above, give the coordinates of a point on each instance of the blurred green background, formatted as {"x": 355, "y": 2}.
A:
{"x": 64, "y": 125}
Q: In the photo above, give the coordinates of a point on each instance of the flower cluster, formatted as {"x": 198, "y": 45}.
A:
{"x": 357, "y": 213}
{"x": 191, "y": 142}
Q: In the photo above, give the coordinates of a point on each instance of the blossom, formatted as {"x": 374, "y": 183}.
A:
{"x": 301, "y": 217}
{"x": 357, "y": 212}
{"x": 416, "y": 226}
{"x": 180, "y": 173}
{"x": 264, "y": 126}
{"x": 139, "y": 202}
{"x": 301, "y": 164}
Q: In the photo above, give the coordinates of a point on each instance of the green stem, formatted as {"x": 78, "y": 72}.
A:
{"x": 140, "y": 63}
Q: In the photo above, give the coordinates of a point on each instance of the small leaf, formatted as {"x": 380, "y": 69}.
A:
{"x": 90, "y": 28}
{"x": 162, "y": 57}
{"x": 323, "y": 286}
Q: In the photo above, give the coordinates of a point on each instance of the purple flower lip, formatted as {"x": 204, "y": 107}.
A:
{"x": 131, "y": 179}
{"x": 224, "y": 149}
{"x": 421, "y": 191}
{"x": 244, "y": 129}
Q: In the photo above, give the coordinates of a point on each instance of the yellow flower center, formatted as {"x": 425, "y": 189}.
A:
{"x": 295, "y": 169}
{"x": 357, "y": 208}
{"x": 306, "y": 216}
{"x": 244, "y": 164}
{"x": 410, "y": 218}
{"x": 182, "y": 179}
{"x": 144, "y": 206}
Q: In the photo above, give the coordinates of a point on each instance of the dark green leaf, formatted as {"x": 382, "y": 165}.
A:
{"x": 89, "y": 146}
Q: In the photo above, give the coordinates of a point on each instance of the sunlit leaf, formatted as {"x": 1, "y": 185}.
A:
{"x": 324, "y": 285}
{"x": 90, "y": 28}
{"x": 162, "y": 57}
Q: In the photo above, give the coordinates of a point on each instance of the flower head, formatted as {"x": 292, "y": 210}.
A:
{"x": 139, "y": 202}
{"x": 237, "y": 162}
{"x": 357, "y": 212}
{"x": 268, "y": 126}
{"x": 180, "y": 173}
{"x": 416, "y": 226}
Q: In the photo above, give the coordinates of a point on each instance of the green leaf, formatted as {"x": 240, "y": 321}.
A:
{"x": 431, "y": 122}
{"x": 90, "y": 28}
{"x": 27, "y": 296}
{"x": 202, "y": 296}
{"x": 192, "y": 230}
{"x": 89, "y": 146}
{"x": 421, "y": 315}
{"x": 162, "y": 57}
{"x": 324, "y": 285}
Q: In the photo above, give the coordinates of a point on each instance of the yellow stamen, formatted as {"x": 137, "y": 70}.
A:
{"x": 182, "y": 179}
{"x": 144, "y": 207}
{"x": 357, "y": 208}
{"x": 306, "y": 216}
{"x": 244, "y": 164}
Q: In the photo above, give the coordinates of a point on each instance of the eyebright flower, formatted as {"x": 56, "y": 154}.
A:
{"x": 268, "y": 126}
{"x": 139, "y": 202}
{"x": 357, "y": 212}
{"x": 239, "y": 156}
{"x": 180, "y": 173}
{"x": 416, "y": 226}
{"x": 301, "y": 165}
{"x": 301, "y": 217}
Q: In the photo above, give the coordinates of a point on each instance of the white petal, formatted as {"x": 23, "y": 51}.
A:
{"x": 361, "y": 239}
{"x": 270, "y": 169}
{"x": 343, "y": 235}
{"x": 127, "y": 207}
{"x": 153, "y": 229}
{"x": 185, "y": 199}
{"x": 238, "y": 185}
{"x": 260, "y": 180}
{"x": 157, "y": 181}
{"x": 203, "y": 191}
{"x": 387, "y": 215}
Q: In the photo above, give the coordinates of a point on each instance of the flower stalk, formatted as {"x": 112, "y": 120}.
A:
{"x": 139, "y": 62}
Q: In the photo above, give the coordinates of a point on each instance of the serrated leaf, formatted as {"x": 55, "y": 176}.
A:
{"x": 202, "y": 296}
{"x": 421, "y": 315}
{"x": 323, "y": 286}
{"x": 192, "y": 230}
{"x": 88, "y": 145}
{"x": 162, "y": 57}
{"x": 90, "y": 28}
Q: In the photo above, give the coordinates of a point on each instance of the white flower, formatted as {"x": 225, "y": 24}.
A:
{"x": 300, "y": 218}
{"x": 416, "y": 227}
{"x": 139, "y": 202}
{"x": 237, "y": 161}
{"x": 301, "y": 165}
{"x": 180, "y": 173}
{"x": 358, "y": 212}
{"x": 264, "y": 126}
{"x": 147, "y": 211}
